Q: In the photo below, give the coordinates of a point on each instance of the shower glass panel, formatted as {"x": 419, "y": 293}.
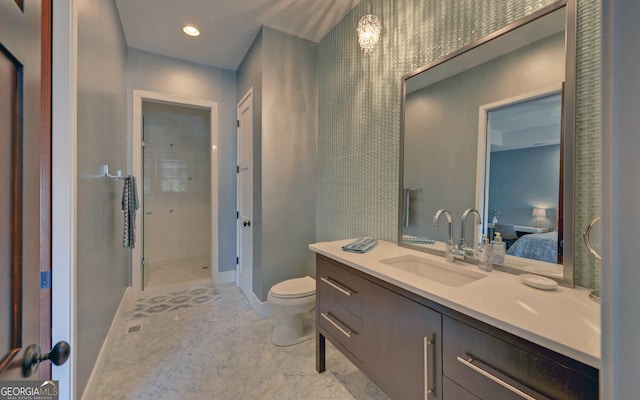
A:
{"x": 176, "y": 194}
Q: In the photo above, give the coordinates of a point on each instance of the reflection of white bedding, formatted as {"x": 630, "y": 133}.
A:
{"x": 537, "y": 246}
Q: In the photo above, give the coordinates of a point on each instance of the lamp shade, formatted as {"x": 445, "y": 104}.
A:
{"x": 539, "y": 213}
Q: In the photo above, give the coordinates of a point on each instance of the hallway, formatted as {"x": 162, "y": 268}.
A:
{"x": 205, "y": 342}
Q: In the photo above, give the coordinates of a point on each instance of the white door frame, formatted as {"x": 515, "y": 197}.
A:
{"x": 63, "y": 187}
{"x": 136, "y": 161}
{"x": 484, "y": 146}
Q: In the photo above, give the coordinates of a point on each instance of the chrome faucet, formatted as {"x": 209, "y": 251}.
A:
{"x": 451, "y": 253}
{"x": 462, "y": 244}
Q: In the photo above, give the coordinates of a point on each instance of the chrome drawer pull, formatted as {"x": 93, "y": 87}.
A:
{"x": 494, "y": 378}
{"x": 337, "y": 286}
{"x": 427, "y": 389}
{"x": 335, "y": 324}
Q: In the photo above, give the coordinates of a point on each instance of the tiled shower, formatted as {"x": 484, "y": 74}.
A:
{"x": 176, "y": 193}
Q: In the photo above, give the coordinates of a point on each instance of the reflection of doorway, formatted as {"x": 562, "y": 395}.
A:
{"x": 519, "y": 168}
{"x": 176, "y": 191}
{"x": 176, "y": 180}
{"x": 522, "y": 170}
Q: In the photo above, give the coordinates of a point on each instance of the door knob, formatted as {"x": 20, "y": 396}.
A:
{"x": 246, "y": 223}
{"x": 58, "y": 355}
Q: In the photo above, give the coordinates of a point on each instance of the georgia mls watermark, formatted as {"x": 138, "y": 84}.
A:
{"x": 28, "y": 390}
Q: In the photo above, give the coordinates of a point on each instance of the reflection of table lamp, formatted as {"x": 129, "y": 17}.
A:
{"x": 539, "y": 213}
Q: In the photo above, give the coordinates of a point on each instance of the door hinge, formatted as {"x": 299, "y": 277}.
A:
{"x": 45, "y": 280}
{"x": 238, "y": 123}
{"x": 237, "y": 169}
{"x": 237, "y": 260}
{"x": 142, "y": 262}
{"x": 237, "y": 214}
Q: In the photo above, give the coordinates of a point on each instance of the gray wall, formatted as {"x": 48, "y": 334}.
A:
{"x": 249, "y": 76}
{"x": 103, "y": 264}
{"x": 523, "y": 179}
{"x": 359, "y": 109}
{"x": 289, "y": 126}
{"x": 620, "y": 194}
{"x": 157, "y": 73}
{"x": 282, "y": 71}
{"x": 441, "y": 128}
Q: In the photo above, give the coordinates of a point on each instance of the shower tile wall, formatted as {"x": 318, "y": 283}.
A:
{"x": 176, "y": 183}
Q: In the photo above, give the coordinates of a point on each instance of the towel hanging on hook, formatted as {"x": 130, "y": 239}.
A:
{"x": 130, "y": 205}
{"x": 409, "y": 196}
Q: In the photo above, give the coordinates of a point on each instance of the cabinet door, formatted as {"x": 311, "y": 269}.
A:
{"x": 403, "y": 341}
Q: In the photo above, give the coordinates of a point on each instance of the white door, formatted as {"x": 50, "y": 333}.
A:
{"x": 244, "y": 185}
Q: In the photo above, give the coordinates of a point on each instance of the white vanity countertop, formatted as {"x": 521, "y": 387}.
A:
{"x": 564, "y": 320}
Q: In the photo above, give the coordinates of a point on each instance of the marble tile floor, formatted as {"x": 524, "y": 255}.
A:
{"x": 163, "y": 274}
{"x": 213, "y": 346}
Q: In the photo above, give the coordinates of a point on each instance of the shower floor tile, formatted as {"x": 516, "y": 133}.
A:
{"x": 164, "y": 274}
{"x": 217, "y": 349}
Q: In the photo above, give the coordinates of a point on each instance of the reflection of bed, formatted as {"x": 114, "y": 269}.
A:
{"x": 537, "y": 246}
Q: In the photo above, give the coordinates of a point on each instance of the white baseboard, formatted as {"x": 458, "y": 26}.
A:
{"x": 101, "y": 361}
{"x": 224, "y": 277}
{"x": 261, "y": 308}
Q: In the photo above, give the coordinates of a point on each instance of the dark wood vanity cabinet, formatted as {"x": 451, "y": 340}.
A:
{"x": 497, "y": 367}
{"x": 403, "y": 339}
{"x": 413, "y": 348}
{"x": 339, "y": 298}
{"x": 395, "y": 341}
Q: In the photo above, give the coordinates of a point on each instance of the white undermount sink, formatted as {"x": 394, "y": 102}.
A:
{"x": 450, "y": 275}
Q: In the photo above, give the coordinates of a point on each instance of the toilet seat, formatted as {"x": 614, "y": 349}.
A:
{"x": 294, "y": 288}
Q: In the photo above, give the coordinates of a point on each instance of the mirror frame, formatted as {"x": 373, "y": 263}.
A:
{"x": 567, "y": 138}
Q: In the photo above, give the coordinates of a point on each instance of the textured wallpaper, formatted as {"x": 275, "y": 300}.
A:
{"x": 359, "y": 109}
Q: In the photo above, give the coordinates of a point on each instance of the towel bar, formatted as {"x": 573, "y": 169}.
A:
{"x": 118, "y": 174}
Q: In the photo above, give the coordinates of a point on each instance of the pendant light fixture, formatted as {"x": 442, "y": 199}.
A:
{"x": 369, "y": 28}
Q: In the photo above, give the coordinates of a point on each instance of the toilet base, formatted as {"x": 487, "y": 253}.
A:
{"x": 293, "y": 329}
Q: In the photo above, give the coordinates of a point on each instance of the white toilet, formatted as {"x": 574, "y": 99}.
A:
{"x": 291, "y": 301}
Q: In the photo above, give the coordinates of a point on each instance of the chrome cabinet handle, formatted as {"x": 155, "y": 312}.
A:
{"x": 337, "y": 286}
{"x": 328, "y": 316}
{"x": 427, "y": 389}
{"x": 494, "y": 378}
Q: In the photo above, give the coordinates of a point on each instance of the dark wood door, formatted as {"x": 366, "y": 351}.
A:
{"x": 25, "y": 206}
{"x": 404, "y": 344}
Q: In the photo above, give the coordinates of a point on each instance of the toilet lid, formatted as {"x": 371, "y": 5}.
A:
{"x": 293, "y": 288}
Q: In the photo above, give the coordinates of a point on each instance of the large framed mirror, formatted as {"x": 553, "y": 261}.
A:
{"x": 490, "y": 127}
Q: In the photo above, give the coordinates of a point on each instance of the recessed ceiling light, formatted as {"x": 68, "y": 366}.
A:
{"x": 191, "y": 30}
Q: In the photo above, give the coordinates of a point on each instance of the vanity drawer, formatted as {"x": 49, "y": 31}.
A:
{"x": 453, "y": 391}
{"x": 342, "y": 326}
{"x": 492, "y": 368}
{"x": 339, "y": 285}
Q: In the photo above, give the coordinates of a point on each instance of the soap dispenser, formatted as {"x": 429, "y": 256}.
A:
{"x": 485, "y": 255}
{"x": 499, "y": 249}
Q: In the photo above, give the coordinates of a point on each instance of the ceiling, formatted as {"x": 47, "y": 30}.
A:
{"x": 527, "y": 124}
{"x": 228, "y": 27}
